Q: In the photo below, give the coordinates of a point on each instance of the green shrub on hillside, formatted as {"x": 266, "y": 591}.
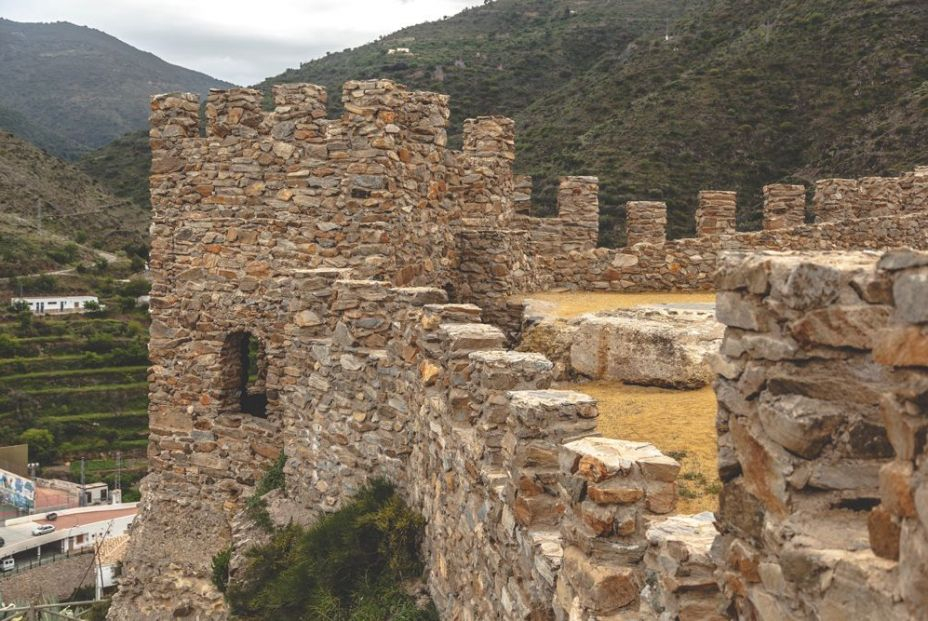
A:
{"x": 350, "y": 566}
{"x": 42, "y": 446}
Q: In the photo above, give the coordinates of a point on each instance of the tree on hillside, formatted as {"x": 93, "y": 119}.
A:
{"x": 41, "y": 445}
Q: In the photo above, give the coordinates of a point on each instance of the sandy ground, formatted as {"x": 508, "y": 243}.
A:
{"x": 679, "y": 423}
{"x": 572, "y": 303}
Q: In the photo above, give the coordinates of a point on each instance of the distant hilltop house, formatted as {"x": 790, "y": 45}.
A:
{"x": 59, "y": 304}
{"x": 399, "y": 50}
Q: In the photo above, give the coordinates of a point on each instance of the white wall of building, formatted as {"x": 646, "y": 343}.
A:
{"x": 41, "y": 305}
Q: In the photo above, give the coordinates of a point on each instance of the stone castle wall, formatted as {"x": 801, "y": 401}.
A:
{"x": 823, "y": 375}
{"x": 347, "y": 255}
{"x": 874, "y": 213}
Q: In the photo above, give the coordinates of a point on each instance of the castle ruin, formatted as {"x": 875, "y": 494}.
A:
{"x": 371, "y": 270}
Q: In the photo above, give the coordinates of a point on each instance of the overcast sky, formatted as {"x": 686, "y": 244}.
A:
{"x": 242, "y": 42}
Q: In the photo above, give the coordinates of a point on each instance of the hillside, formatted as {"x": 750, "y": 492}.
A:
{"x": 742, "y": 93}
{"x": 71, "y": 89}
{"x": 122, "y": 167}
{"x": 72, "y": 205}
{"x": 497, "y": 58}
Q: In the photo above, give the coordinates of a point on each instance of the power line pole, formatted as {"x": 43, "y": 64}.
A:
{"x": 38, "y": 218}
{"x": 80, "y": 502}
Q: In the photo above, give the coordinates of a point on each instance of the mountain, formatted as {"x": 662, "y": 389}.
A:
{"x": 43, "y": 197}
{"x": 71, "y": 89}
{"x": 497, "y": 58}
{"x": 662, "y": 99}
{"x": 122, "y": 167}
{"x": 745, "y": 92}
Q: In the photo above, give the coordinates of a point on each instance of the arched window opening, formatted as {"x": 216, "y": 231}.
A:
{"x": 244, "y": 374}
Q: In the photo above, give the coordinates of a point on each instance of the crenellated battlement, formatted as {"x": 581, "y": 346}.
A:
{"x": 368, "y": 272}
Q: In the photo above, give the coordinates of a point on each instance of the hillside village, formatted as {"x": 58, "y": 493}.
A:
{"x": 580, "y": 309}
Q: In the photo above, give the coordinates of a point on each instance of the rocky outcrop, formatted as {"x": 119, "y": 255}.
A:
{"x": 649, "y": 346}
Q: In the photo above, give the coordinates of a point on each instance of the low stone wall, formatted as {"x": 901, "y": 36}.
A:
{"x": 823, "y": 375}
{"x": 57, "y": 579}
{"x": 529, "y": 515}
{"x": 518, "y": 505}
{"x": 691, "y": 263}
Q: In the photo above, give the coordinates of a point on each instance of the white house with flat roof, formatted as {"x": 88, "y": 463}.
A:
{"x": 57, "y": 304}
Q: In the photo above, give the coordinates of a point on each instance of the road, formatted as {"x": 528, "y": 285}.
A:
{"x": 69, "y": 521}
{"x": 19, "y": 533}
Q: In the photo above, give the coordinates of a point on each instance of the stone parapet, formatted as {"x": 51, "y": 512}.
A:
{"x": 375, "y": 380}
{"x": 715, "y": 213}
{"x": 645, "y": 223}
{"x": 820, "y": 373}
{"x": 689, "y": 264}
{"x": 784, "y": 206}
{"x": 835, "y": 200}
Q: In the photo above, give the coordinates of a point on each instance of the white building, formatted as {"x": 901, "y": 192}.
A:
{"x": 399, "y": 50}
{"x": 57, "y": 304}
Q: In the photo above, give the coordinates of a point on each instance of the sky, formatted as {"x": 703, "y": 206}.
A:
{"x": 241, "y": 42}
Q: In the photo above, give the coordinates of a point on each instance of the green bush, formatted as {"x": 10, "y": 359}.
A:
{"x": 221, "y": 569}
{"x": 350, "y": 566}
{"x": 256, "y": 506}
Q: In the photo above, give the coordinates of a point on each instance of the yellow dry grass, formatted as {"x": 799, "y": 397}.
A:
{"x": 572, "y": 303}
{"x": 679, "y": 423}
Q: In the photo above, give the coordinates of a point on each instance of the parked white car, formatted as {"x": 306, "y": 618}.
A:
{"x": 7, "y": 564}
{"x": 42, "y": 529}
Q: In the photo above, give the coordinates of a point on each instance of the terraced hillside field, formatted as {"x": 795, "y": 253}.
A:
{"x": 76, "y": 387}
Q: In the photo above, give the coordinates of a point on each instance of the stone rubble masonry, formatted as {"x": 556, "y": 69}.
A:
{"x": 355, "y": 251}
{"x": 823, "y": 378}
{"x": 336, "y": 245}
{"x": 715, "y": 213}
{"x": 784, "y": 206}
{"x": 646, "y": 223}
{"x": 835, "y": 199}
{"x": 576, "y": 226}
{"x": 53, "y": 581}
{"x": 522, "y": 195}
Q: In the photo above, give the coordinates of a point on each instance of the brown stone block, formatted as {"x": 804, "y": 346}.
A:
{"x": 170, "y": 420}
{"x": 896, "y": 488}
{"x": 841, "y": 326}
{"x": 884, "y": 531}
{"x": 901, "y": 346}
{"x": 614, "y": 491}
{"x": 661, "y": 496}
{"x": 763, "y": 472}
{"x": 745, "y": 559}
{"x": 601, "y": 587}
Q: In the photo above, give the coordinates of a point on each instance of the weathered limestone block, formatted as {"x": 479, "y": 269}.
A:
{"x": 649, "y": 346}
